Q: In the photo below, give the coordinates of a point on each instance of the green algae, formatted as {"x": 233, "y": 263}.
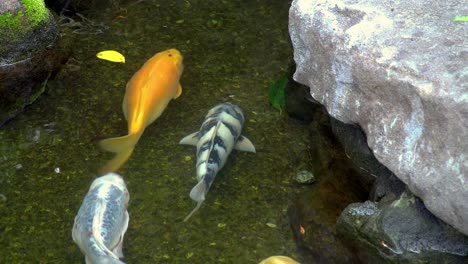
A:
{"x": 36, "y": 11}
{"x": 16, "y": 25}
{"x": 11, "y": 21}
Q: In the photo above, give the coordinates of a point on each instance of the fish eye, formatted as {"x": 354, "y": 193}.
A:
{"x": 170, "y": 54}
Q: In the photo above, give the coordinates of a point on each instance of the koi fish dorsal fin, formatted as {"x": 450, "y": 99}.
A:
{"x": 197, "y": 194}
{"x": 191, "y": 139}
{"x": 179, "y": 91}
{"x": 244, "y": 144}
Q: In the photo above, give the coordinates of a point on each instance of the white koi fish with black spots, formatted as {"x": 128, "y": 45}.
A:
{"x": 102, "y": 220}
{"x": 218, "y": 135}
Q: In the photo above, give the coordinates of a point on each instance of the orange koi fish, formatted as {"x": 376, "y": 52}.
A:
{"x": 147, "y": 95}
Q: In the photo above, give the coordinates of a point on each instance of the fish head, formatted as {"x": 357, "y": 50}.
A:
{"x": 110, "y": 178}
{"x": 229, "y": 108}
{"x": 175, "y": 57}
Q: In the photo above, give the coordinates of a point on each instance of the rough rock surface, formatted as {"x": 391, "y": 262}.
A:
{"x": 398, "y": 70}
{"x": 28, "y": 59}
{"x": 400, "y": 230}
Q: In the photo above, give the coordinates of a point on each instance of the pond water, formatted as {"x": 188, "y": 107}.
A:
{"x": 233, "y": 51}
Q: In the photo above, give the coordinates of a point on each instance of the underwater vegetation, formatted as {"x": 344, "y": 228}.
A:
{"x": 276, "y": 94}
{"x": 81, "y": 25}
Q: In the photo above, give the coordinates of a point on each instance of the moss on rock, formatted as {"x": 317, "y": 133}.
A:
{"x": 36, "y": 10}
{"x": 28, "y": 53}
{"x": 10, "y": 21}
{"x": 16, "y": 22}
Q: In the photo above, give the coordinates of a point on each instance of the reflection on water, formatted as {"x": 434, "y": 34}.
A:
{"x": 233, "y": 51}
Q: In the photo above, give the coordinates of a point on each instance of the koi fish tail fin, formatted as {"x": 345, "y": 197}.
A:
{"x": 114, "y": 164}
{"x": 122, "y": 146}
{"x": 193, "y": 211}
{"x": 197, "y": 194}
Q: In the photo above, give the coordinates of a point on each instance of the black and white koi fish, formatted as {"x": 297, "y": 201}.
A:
{"x": 102, "y": 220}
{"x": 218, "y": 135}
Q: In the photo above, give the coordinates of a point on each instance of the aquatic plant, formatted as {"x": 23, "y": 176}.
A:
{"x": 82, "y": 25}
{"x": 276, "y": 94}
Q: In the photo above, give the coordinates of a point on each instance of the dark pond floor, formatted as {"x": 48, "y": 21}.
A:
{"x": 233, "y": 51}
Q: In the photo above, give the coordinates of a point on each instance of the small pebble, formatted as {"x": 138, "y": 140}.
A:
{"x": 305, "y": 177}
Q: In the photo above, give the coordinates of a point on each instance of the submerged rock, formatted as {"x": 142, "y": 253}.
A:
{"x": 400, "y": 230}
{"x": 304, "y": 177}
{"x": 29, "y": 54}
{"x": 398, "y": 70}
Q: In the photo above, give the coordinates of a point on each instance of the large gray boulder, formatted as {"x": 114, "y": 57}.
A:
{"x": 399, "y": 71}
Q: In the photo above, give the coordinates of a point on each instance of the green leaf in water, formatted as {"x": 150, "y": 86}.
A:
{"x": 276, "y": 95}
{"x": 460, "y": 19}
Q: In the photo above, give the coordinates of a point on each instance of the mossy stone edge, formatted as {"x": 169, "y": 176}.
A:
{"x": 16, "y": 28}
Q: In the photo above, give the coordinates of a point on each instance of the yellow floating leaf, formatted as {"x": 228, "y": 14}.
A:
{"x": 111, "y": 55}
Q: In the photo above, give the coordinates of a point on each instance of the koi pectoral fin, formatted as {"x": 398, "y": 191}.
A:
{"x": 179, "y": 91}
{"x": 244, "y": 144}
{"x": 191, "y": 139}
